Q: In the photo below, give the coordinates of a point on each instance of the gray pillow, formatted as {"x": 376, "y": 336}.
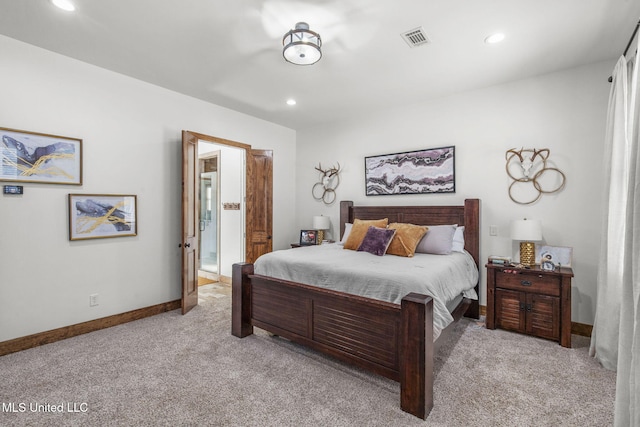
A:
{"x": 438, "y": 240}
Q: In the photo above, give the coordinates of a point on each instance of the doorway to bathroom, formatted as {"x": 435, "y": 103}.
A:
{"x": 209, "y": 212}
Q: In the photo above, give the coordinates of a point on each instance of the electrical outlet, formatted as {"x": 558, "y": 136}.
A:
{"x": 93, "y": 300}
{"x": 493, "y": 230}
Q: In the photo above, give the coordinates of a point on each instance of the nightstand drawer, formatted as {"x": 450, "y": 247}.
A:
{"x": 538, "y": 283}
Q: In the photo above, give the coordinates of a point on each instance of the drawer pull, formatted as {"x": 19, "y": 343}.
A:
{"x": 525, "y": 283}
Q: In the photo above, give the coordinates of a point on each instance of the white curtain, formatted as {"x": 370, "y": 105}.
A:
{"x": 615, "y": 340}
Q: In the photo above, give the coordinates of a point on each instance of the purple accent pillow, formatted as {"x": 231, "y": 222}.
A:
{"x": 377, "y": 240}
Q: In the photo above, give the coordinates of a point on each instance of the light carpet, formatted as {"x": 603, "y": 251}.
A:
{"x": 171, "y": 370}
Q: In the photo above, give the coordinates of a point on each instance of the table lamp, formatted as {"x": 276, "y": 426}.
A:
{"x": 526, "y": 231}
{"x": 321, "y": 223}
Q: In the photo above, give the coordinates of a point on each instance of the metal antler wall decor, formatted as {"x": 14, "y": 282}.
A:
{"x": 325, "y": 189}
{"x": 531, "y": 165}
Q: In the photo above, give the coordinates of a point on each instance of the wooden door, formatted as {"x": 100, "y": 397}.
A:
{"x": 190, "y": 221}
{"x": 258, "y": 216}
{"x": 543, "y": 316}
{"x": 510, "y": 310}
{"x": 259, "y": 204}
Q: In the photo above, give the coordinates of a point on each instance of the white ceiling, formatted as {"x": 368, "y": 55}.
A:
{"x": 229, "y": 52}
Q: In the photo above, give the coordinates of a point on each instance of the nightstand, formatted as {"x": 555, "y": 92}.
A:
{"x": 297, "y": 245}
{"x": 530, "y": 301}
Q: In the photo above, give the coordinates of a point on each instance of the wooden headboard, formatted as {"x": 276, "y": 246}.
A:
{"x": 467, "y": 215}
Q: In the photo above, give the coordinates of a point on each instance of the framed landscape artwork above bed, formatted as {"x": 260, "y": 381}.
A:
{"x": 413, "y": 172}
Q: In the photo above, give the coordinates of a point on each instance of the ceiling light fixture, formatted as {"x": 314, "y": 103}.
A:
{"x": 291, "y": 102}
{"x": 64, "y": 5}
{"x": 494, "y": 38}
{"x": 301, "y": 45}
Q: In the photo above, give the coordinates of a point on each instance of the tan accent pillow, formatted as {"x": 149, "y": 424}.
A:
{"x": 406, "y": 239}
{"x": 359, "y": 229}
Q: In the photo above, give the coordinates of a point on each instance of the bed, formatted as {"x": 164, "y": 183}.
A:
{"x": 395, "y": 340}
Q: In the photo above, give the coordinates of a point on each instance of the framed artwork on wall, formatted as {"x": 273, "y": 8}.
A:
{"x": 95, "y": 216}
{"x": 308, "y": 237}
{"x": 413, "y": 172}
{"x": 38, "y": 157}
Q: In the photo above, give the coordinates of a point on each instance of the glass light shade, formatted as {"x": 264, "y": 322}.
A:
{"x": 526, "y": 230}
{"x": 301, "y": 45}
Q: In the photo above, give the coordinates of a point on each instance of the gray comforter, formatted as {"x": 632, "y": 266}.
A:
{"x": 388, "y": 278}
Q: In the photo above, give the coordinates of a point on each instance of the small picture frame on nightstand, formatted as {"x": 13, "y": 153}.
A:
{"x": 559, "y": 256}
{"x": 308, "y": 237}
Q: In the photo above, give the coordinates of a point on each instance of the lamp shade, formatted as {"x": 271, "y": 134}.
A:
{"x": 301, "y": 45}
{"x": 321, "y": 222}
{"x": 526, "y": 230}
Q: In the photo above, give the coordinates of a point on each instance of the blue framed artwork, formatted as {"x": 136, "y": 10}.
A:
{"x": 37, "y": 157}
{"x": 95, "y": 216}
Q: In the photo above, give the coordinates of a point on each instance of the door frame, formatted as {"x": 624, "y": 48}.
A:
{"x": 188, "y": 300}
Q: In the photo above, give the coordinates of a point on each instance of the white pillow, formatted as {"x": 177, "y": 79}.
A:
{"x": 347, "y": 230}
{"x": 438, "y": 240}
{"x": 458, "y": 240}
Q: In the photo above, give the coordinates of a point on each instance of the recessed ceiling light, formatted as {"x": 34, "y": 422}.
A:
{"x": 64, "y": 5}
{"x": 291, "y": 102}
{"x": 494, "y": 38}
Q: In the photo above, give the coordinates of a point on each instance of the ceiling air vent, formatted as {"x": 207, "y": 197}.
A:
{"x": 415, "y": 37}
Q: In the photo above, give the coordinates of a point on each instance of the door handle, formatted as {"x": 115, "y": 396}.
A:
{"x": 187, "y": 245}
{"x": 269, "y": 237}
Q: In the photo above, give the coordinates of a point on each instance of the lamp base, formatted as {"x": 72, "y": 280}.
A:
{"x": 320, "y": 236}
{"x": 528, "y": 254}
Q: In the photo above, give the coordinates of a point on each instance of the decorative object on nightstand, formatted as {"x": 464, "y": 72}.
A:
{"x": 558, "y": 256}
{"x": 546, "y": 263}
{"x": 527, "y": 231}
{"x": 531, "y": 301}
{"x": 499, "y": 260}
{"x": 321, "y": 223}
{"x": 308, "y": 237}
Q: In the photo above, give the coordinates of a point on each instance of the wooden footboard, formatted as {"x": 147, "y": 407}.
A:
{"x": 395, "y": 341}
{"x": 392, "y": 340}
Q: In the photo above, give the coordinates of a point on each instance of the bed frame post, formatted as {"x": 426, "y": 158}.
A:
{"x": 472, "y": 245}
{"x": 241, "y": 300}
{"x": 416, "y": 361}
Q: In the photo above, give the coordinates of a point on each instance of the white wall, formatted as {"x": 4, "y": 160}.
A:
{"x": 131, "y": 135}
{"x": 232, "y": 172}
{"x": 564, "y": 112}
